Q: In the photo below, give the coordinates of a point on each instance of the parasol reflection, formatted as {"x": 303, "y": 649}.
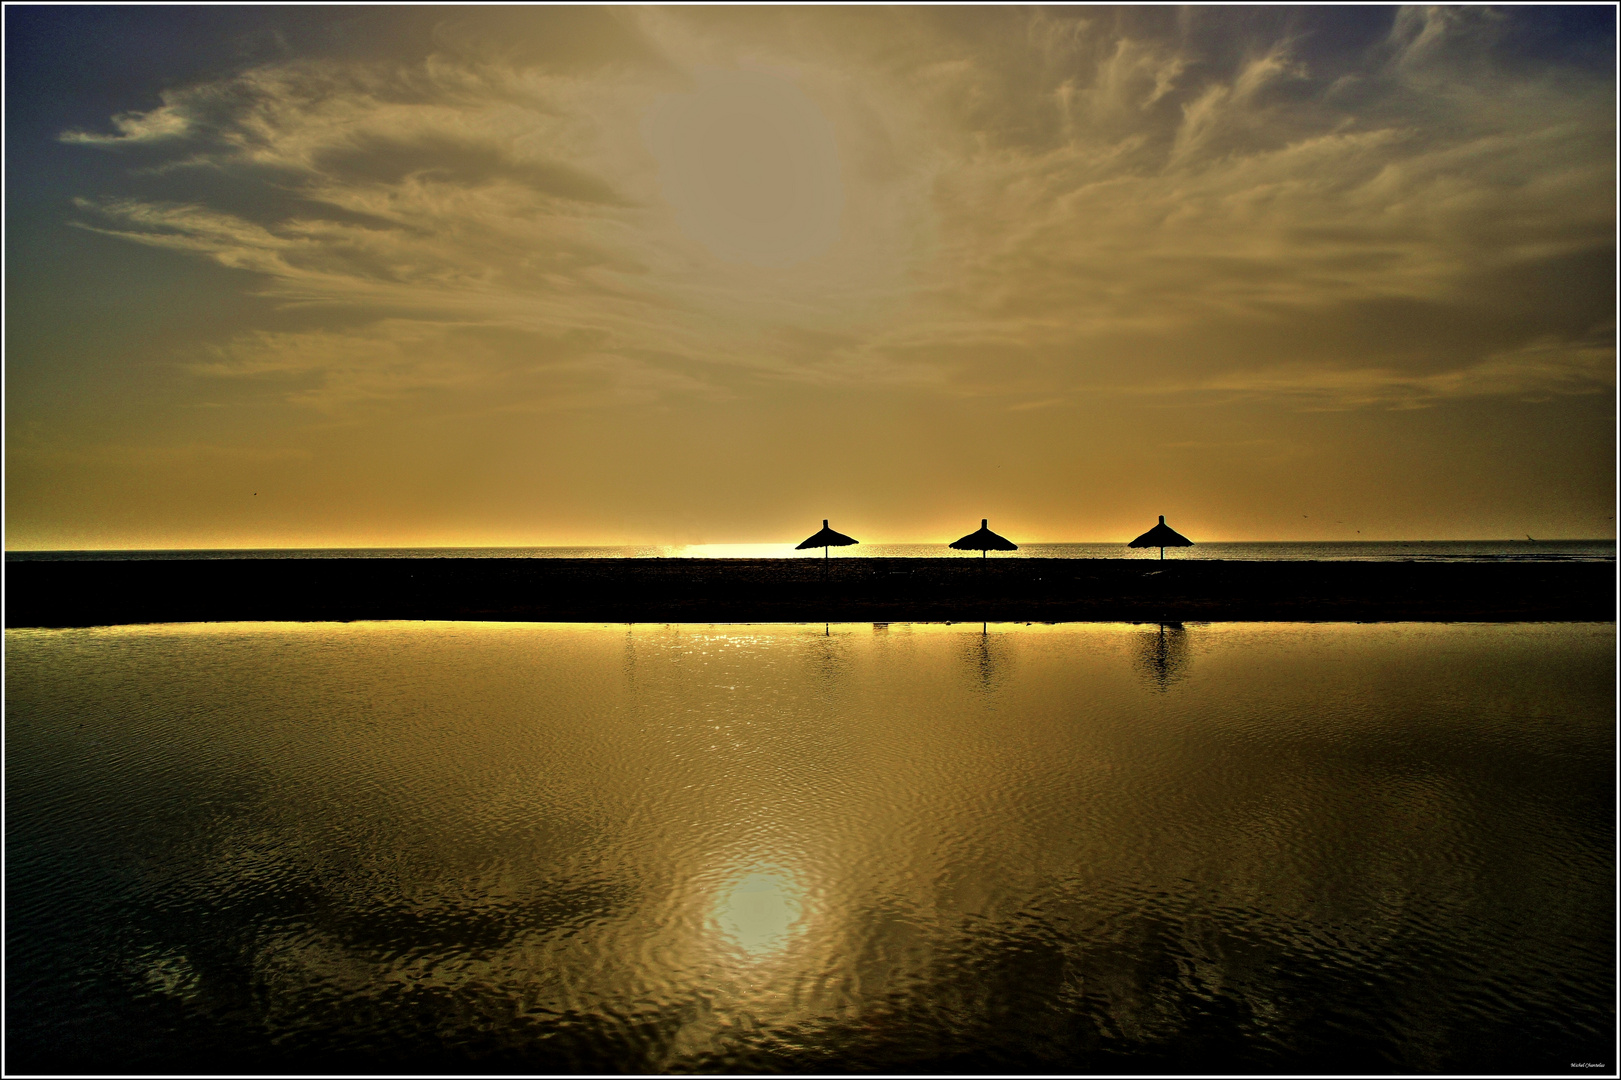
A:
{"x": 1163, "y": 655}
{"x": 760, "y": 911}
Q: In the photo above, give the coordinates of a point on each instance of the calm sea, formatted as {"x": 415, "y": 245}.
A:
{"x": 431, "y": 847}
{"x": 1378, "y": 550}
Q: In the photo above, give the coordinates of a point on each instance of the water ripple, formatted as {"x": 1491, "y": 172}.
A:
{"x": 453, "y": 847}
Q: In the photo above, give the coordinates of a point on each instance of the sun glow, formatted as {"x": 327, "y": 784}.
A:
{"x": 743, "y": 551}
{"x": 750, "y": 166}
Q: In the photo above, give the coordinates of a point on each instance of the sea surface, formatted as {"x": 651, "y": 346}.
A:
{"x": 1359, "y": 550}
{"x": 440, "y": 847}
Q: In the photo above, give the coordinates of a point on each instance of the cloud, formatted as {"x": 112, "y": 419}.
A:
{"x": 1535, "y": 372}
{"x": 1033, "y": 203}
{"x": 454, "y": 368}
{"x": 134, "y": 457}
{"x": 165, "y": 122}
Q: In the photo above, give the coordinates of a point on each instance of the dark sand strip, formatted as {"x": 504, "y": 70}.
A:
{"x": 800, "y": 590}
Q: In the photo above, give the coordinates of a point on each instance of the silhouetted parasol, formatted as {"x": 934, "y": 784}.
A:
{"x": 984, "y": 540}
{"x": 1161, "y": 536}
{"x": 825, "y": 539}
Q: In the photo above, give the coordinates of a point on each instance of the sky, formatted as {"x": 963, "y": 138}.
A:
{"x": 385, "y": 276}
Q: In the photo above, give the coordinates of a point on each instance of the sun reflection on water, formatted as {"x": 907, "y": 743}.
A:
{"x": 760, "y": 911}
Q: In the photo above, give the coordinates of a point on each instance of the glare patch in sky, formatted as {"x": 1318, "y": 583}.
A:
{"x": 750, "y": 165}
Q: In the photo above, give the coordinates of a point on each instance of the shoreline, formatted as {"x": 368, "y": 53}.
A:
{"x": 106, "y": 593}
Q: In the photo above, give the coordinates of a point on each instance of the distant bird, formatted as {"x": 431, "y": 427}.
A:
{"x": 1161, "y": 536}
{"x": 984, "y": 540}
{"x": 825, "y": 539}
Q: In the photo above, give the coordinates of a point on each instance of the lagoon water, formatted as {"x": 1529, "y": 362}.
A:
{"x": 430, "y": 847}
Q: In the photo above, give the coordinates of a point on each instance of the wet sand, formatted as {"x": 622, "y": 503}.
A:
{"x": 800, "y": 590}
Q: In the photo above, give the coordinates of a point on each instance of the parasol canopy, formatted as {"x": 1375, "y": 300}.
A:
{"x": 984, "y": 540}
{"x": 825, "y": 539}
{"x": 1161, "y": 536}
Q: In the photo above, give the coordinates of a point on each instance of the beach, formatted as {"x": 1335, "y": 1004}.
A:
{"x": 64, "y": 594}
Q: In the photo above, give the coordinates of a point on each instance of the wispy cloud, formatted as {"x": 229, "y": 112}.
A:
{"x": 165, "y": 122}
{"x": 1036, "y": 201}
{"x": 459, "y": 367}
{"x": 1536, "y": 372}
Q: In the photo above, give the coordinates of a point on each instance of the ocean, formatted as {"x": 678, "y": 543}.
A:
{"x": 1360, "y": 550}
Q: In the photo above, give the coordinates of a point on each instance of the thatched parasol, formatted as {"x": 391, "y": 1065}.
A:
{"x": 984, "y": 540}
{"x": 825, "y": 539}
{"x": 1161, "y": 536}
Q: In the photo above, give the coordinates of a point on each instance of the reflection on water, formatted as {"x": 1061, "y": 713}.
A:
{"x": 988, "y": 657}
{"x": 451, "y": 847}
{"x": 758, "y": 910}
{"x": 1162, "y": 654}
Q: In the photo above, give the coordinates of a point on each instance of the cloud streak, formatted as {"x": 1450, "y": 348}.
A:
{"x": 1081, "y": 186}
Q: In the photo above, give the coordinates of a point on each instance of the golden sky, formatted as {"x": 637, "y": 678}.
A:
{"x": 419, "y": 276}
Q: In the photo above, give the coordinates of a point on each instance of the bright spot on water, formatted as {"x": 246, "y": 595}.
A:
{"x": 758, "y": 911}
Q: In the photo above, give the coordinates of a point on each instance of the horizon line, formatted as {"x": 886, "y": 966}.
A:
{"x": 779, "y": 543}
